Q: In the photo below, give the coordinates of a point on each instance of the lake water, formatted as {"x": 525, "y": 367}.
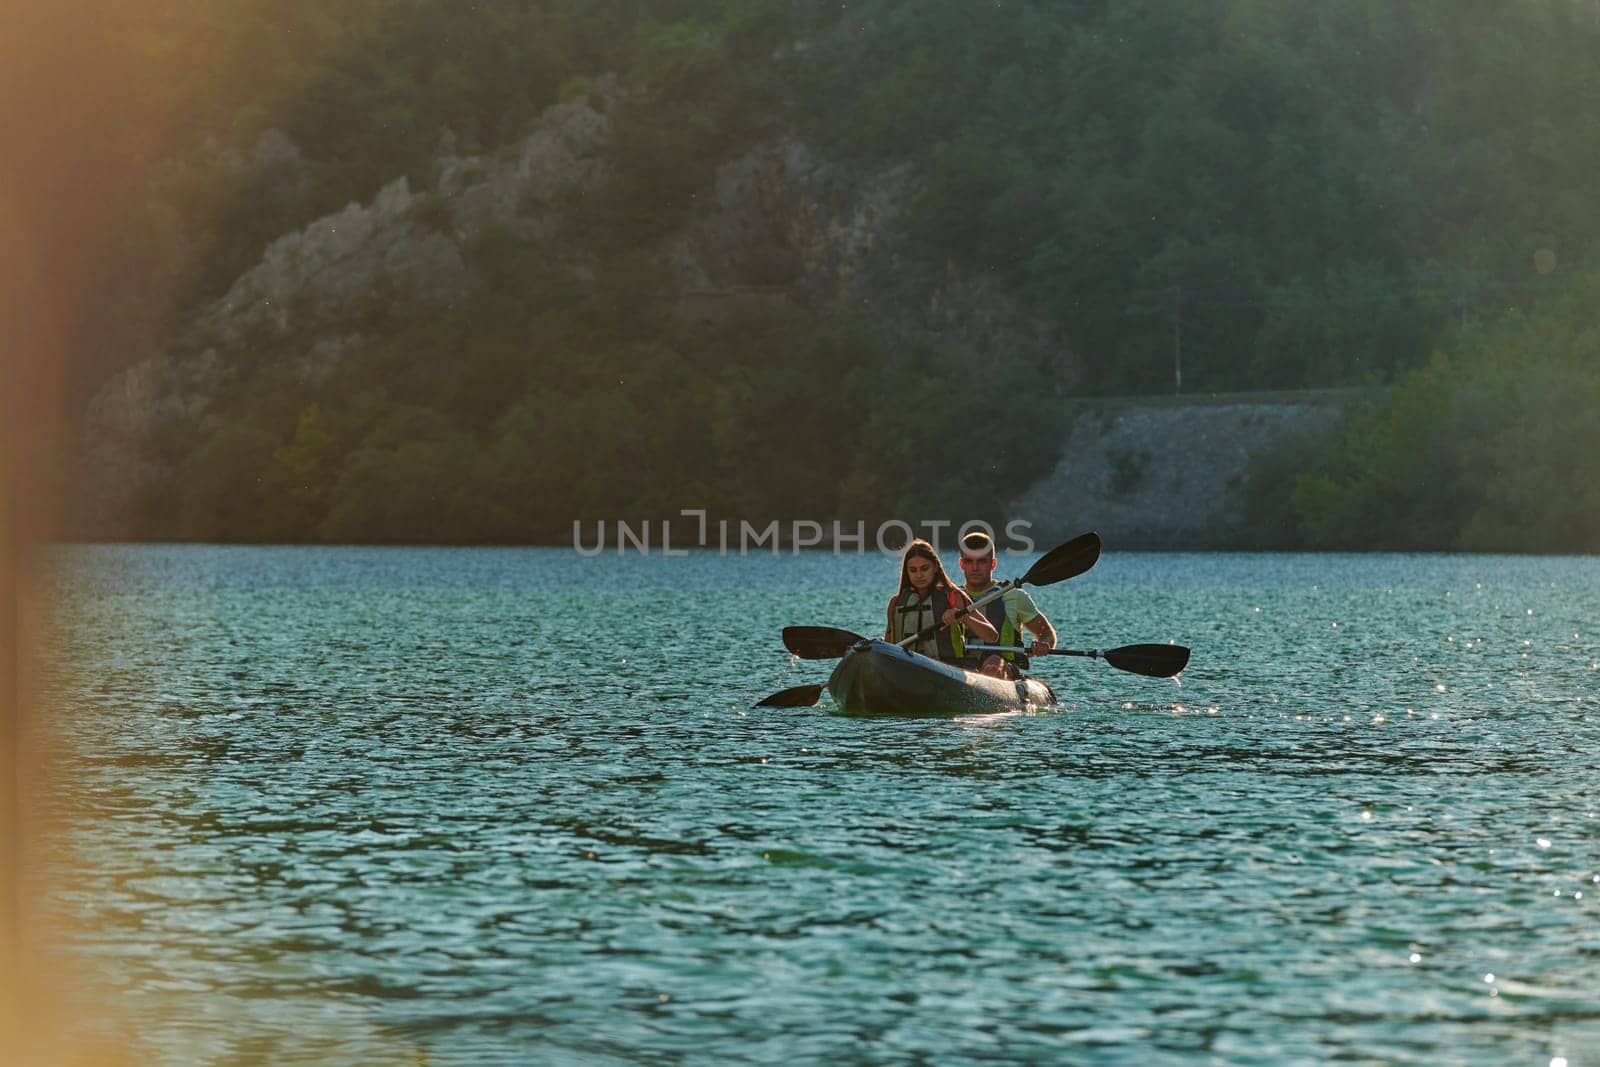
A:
{"x": 513, "y": 806}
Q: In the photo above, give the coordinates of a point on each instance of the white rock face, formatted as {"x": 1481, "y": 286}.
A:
{"x": 404, "y": 253}
{"x": 407, "y": 250}
{"x": 835, "y": 237}
{"x": 526, "y": 188}
{"x": 121, "y": 420}
{"x": 333, "y": 264}
{"x": 1163, "y": 475}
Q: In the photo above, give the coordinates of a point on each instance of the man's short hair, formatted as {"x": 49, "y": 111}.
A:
{"x": 977, "y": 544}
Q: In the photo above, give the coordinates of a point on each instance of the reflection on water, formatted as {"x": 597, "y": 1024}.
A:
{"x": 513, "y": 806}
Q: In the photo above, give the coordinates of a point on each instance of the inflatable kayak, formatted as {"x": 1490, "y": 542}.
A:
{"x": 877, "y": 678}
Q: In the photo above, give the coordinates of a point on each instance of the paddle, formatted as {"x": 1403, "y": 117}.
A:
{"x": 1057, "y": 565}
{"x": 819, "y": 642}
{"x": 1153, "y": 661}
{"x": 801, "y": 696}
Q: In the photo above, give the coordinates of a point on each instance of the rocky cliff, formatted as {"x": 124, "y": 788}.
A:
{"x": 777, "y": 223}
{"x": 777, "y": 220}
{"x": 1171, "y": 473}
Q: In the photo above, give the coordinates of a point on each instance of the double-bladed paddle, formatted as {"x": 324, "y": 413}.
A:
{"x": 1152, "y": 661}
{"x": 829, "y": 642}
{"x": 1057, "y": 565}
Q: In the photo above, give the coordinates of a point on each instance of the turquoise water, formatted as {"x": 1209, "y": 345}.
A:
{"x": 512, "y": 806}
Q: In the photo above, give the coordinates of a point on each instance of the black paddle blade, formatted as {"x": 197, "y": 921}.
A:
{"x": 1153, "y": 661}
{"x": 819, "y": 642}
{"x": 1064, "y": 561}
{"x": 801, "y": 696}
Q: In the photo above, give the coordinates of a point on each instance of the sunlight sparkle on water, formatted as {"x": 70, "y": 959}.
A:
{"x": 200, "y": 797}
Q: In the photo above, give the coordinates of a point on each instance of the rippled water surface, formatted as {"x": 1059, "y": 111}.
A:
{"x": 512, "y": 806}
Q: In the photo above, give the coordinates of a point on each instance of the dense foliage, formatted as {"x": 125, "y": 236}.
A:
{"x": 1493, "y": 448}
{"x": 1298, "y": 193}
{"x": 1310, "y": 191}
{"x": 535, "y": 420}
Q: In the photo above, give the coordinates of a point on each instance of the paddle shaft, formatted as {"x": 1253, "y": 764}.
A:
{"x": 1066, "y": 560}
{"x": 1152, "y": 661}
{"x": 989, "y": 597}
{"x": 1092, "y": 653}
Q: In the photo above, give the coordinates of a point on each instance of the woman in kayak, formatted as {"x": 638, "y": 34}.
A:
{"x": 927, "y": 597}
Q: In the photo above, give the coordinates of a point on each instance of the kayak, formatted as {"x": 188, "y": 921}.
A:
{"x": 877, "y": 678}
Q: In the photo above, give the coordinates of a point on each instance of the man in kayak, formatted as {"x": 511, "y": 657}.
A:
{"x": 1010, "y": 615}
{"x": 927, "y": 597}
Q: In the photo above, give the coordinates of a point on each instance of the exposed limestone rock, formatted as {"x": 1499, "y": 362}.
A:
{"x": 119, "y": 424}
{"x": 151, "y": 393}
{"x": 402, "y": 253}
{"x": 835, "y": 237}
{"x": 324, "y": 357}
{"x": 778, "y": 224}
{"x": 335, "y": 264}
{"x": 1163, "y": 475}
{"x": 525, "y": 189}
{"x": 408, "y": 249}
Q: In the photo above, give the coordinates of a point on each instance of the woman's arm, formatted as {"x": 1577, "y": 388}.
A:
{"x": 888, "y": 631}
{"x": 976, "y": 624}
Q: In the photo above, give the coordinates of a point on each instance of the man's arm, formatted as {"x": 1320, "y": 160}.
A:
{"x": 1044, "y": 635}
{"x": 1034, "y": 622}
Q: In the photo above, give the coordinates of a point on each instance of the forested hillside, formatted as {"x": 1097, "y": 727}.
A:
{"x": 960, "y": 212}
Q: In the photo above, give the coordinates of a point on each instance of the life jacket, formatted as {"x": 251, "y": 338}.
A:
{"x": 913, "y": 614}
{"x": 995, "y": 611}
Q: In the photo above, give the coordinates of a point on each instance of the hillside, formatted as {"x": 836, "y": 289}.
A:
{"x": 1192, "y": 473}
{"x": 417, "y": 272}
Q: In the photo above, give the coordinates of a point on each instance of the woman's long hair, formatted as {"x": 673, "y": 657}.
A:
{"x": 923, "y": 550}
